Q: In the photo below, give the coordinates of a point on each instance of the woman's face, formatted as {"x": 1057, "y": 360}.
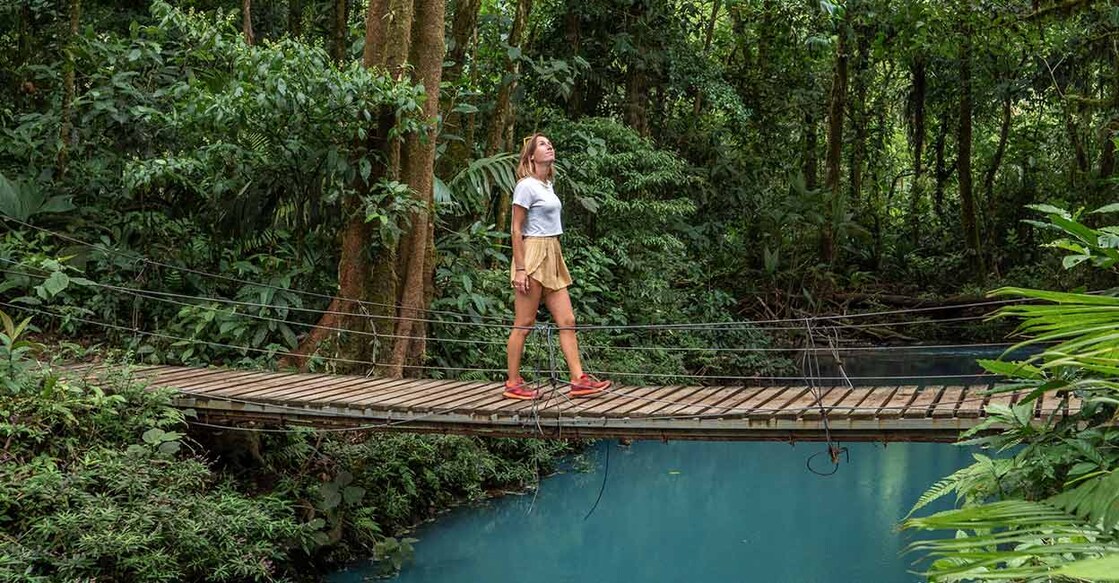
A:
{"x": 544, "y": 152}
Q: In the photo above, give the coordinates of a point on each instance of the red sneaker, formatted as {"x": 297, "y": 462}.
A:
{"x": 517, "y": 390}
{"x": 587, "y": 385}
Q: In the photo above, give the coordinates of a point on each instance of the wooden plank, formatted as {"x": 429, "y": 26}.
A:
{"x": 482, "y": 405}
{"x": 693, "y": 401}
{"x": 485, "y": 394}
{"x": 277, "y": 380}
{"x": 1004, "y": 398}
{"x": 377, "y": 391}
{"x": 898, "y": 403}
{"x": 671, "y": 401}
{"x": 923, "y": 403}
{"x": 294, "y": 390}
{"x": 638, "y": 397}
{"x": 336, "y": 394}
{"x": 394, "y": 397}
{"x": 278, "y": 394}
{"x": 1073, "y": 405}
{"x": 550, "y": 398}
{"x": 850, "y": 402}
{"x": 716, "y": 409}
{"x": 1052, "y": 404}
{"x": 184, "y": 374}
{"x": 781, "y": 405}
{"x": 971, "y": 403}
{"x": 178, "y": 373}
{"x": 200, "y": 385}
{"x": 809, "y": 400}
{"x": 560, "y": 402}
{"x": 761, "y": 399}
{"x": 458, "y": 392}
{"x": 834, "y": 396}
{"x": 709, "y": 400}
{"x": 878, "y": 398}
{"x": 624, "y": 400}
{"x": 948, "y": 403}
{"x": 426, "y": 393}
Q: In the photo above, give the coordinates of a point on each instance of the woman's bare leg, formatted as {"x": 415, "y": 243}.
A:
{"x": 524, "y": 308}
{"x": 559, "y": 304}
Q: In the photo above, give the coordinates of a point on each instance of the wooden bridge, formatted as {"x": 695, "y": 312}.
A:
{"x": 247, "y": 399}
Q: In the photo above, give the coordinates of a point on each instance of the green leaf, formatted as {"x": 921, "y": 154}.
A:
{"x": 1071, "y": 261}
{"x": 353, "y": 494}
{"x": 1011, "y": 369}
{"x": 1100, "y": 569}
{"x": 10, "y": 201}
{"x": 153, "y": 436}
{"x": 331, "y": 496}
{"x": 1049, "y": 209}
{"x": 57, "y": 282}
{"x": 1111, "y": 208}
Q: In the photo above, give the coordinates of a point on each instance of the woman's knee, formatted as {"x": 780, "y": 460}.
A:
{"x": 522, "y": 329}
{"x": 565, "y": 322}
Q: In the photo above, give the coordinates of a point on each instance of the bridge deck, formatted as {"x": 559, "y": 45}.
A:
{"x": 880, "y": 413}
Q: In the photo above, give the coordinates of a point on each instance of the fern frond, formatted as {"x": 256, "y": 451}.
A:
{"x": 940, "y": 489}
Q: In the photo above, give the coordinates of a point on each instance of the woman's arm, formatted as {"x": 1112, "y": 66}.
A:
{"x": 520, "y": 278}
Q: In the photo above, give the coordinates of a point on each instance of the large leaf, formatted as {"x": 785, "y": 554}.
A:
{"x": 1101, "y": 569}
{"x": 1096, "y": 501}
{"x": 23, "y": 200}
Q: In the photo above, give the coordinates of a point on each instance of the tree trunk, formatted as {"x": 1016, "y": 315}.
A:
{"x": 572, "y": 35}
{"x": 25, "y": 37}
{"x": 340, "y": 33}
{"x": 942, "y": 169}
{"x": 295, "y": 17}
{"x": 707, "y": 36}
{"x": 996, "y": 161}
{"x": 66, "y": 129}
{"x": 1110, "y": 130}
{"x": 634, "y": 110}
{"x": 1107, "y": 148}
{"x": 247, "y": 21}
{"x": 836, "y": 107}
{"x": 367, "y": 292}
{"x": 859, "y": 114}
{"x": 811, "y": 164}
{"x": 917, "y": 133}
{"x": 504, "y": 115}
{"x": 462, "y": 31}
{"x": 416, "y": 251}
{"x": 968, "y": 210}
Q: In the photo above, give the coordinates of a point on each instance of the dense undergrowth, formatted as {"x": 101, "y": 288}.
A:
{"x": 101, "y": 479}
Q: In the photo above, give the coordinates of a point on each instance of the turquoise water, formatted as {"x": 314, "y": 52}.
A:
{"x": 693, "y": 511}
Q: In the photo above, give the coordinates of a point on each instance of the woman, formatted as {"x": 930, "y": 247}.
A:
{"x": 538, "y": 271}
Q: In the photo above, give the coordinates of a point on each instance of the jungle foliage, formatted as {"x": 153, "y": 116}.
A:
{"x": 252, "y": 184}
{"x": 101, "y": 478}
{"x": 1048, "y": 505}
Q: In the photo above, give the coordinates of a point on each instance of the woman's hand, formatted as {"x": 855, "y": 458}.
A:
{"x": 520, "y": 282}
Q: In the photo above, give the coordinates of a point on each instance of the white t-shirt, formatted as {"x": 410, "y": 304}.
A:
{"x": 542, "y": 205}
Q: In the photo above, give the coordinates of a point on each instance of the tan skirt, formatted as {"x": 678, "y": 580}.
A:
{"x": 544, "y": 263}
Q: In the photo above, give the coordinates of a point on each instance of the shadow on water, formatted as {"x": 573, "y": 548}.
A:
{"x": 705, "y": 512}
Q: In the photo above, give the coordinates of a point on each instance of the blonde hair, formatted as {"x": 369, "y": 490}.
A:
{"x": 527, "y": 166}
